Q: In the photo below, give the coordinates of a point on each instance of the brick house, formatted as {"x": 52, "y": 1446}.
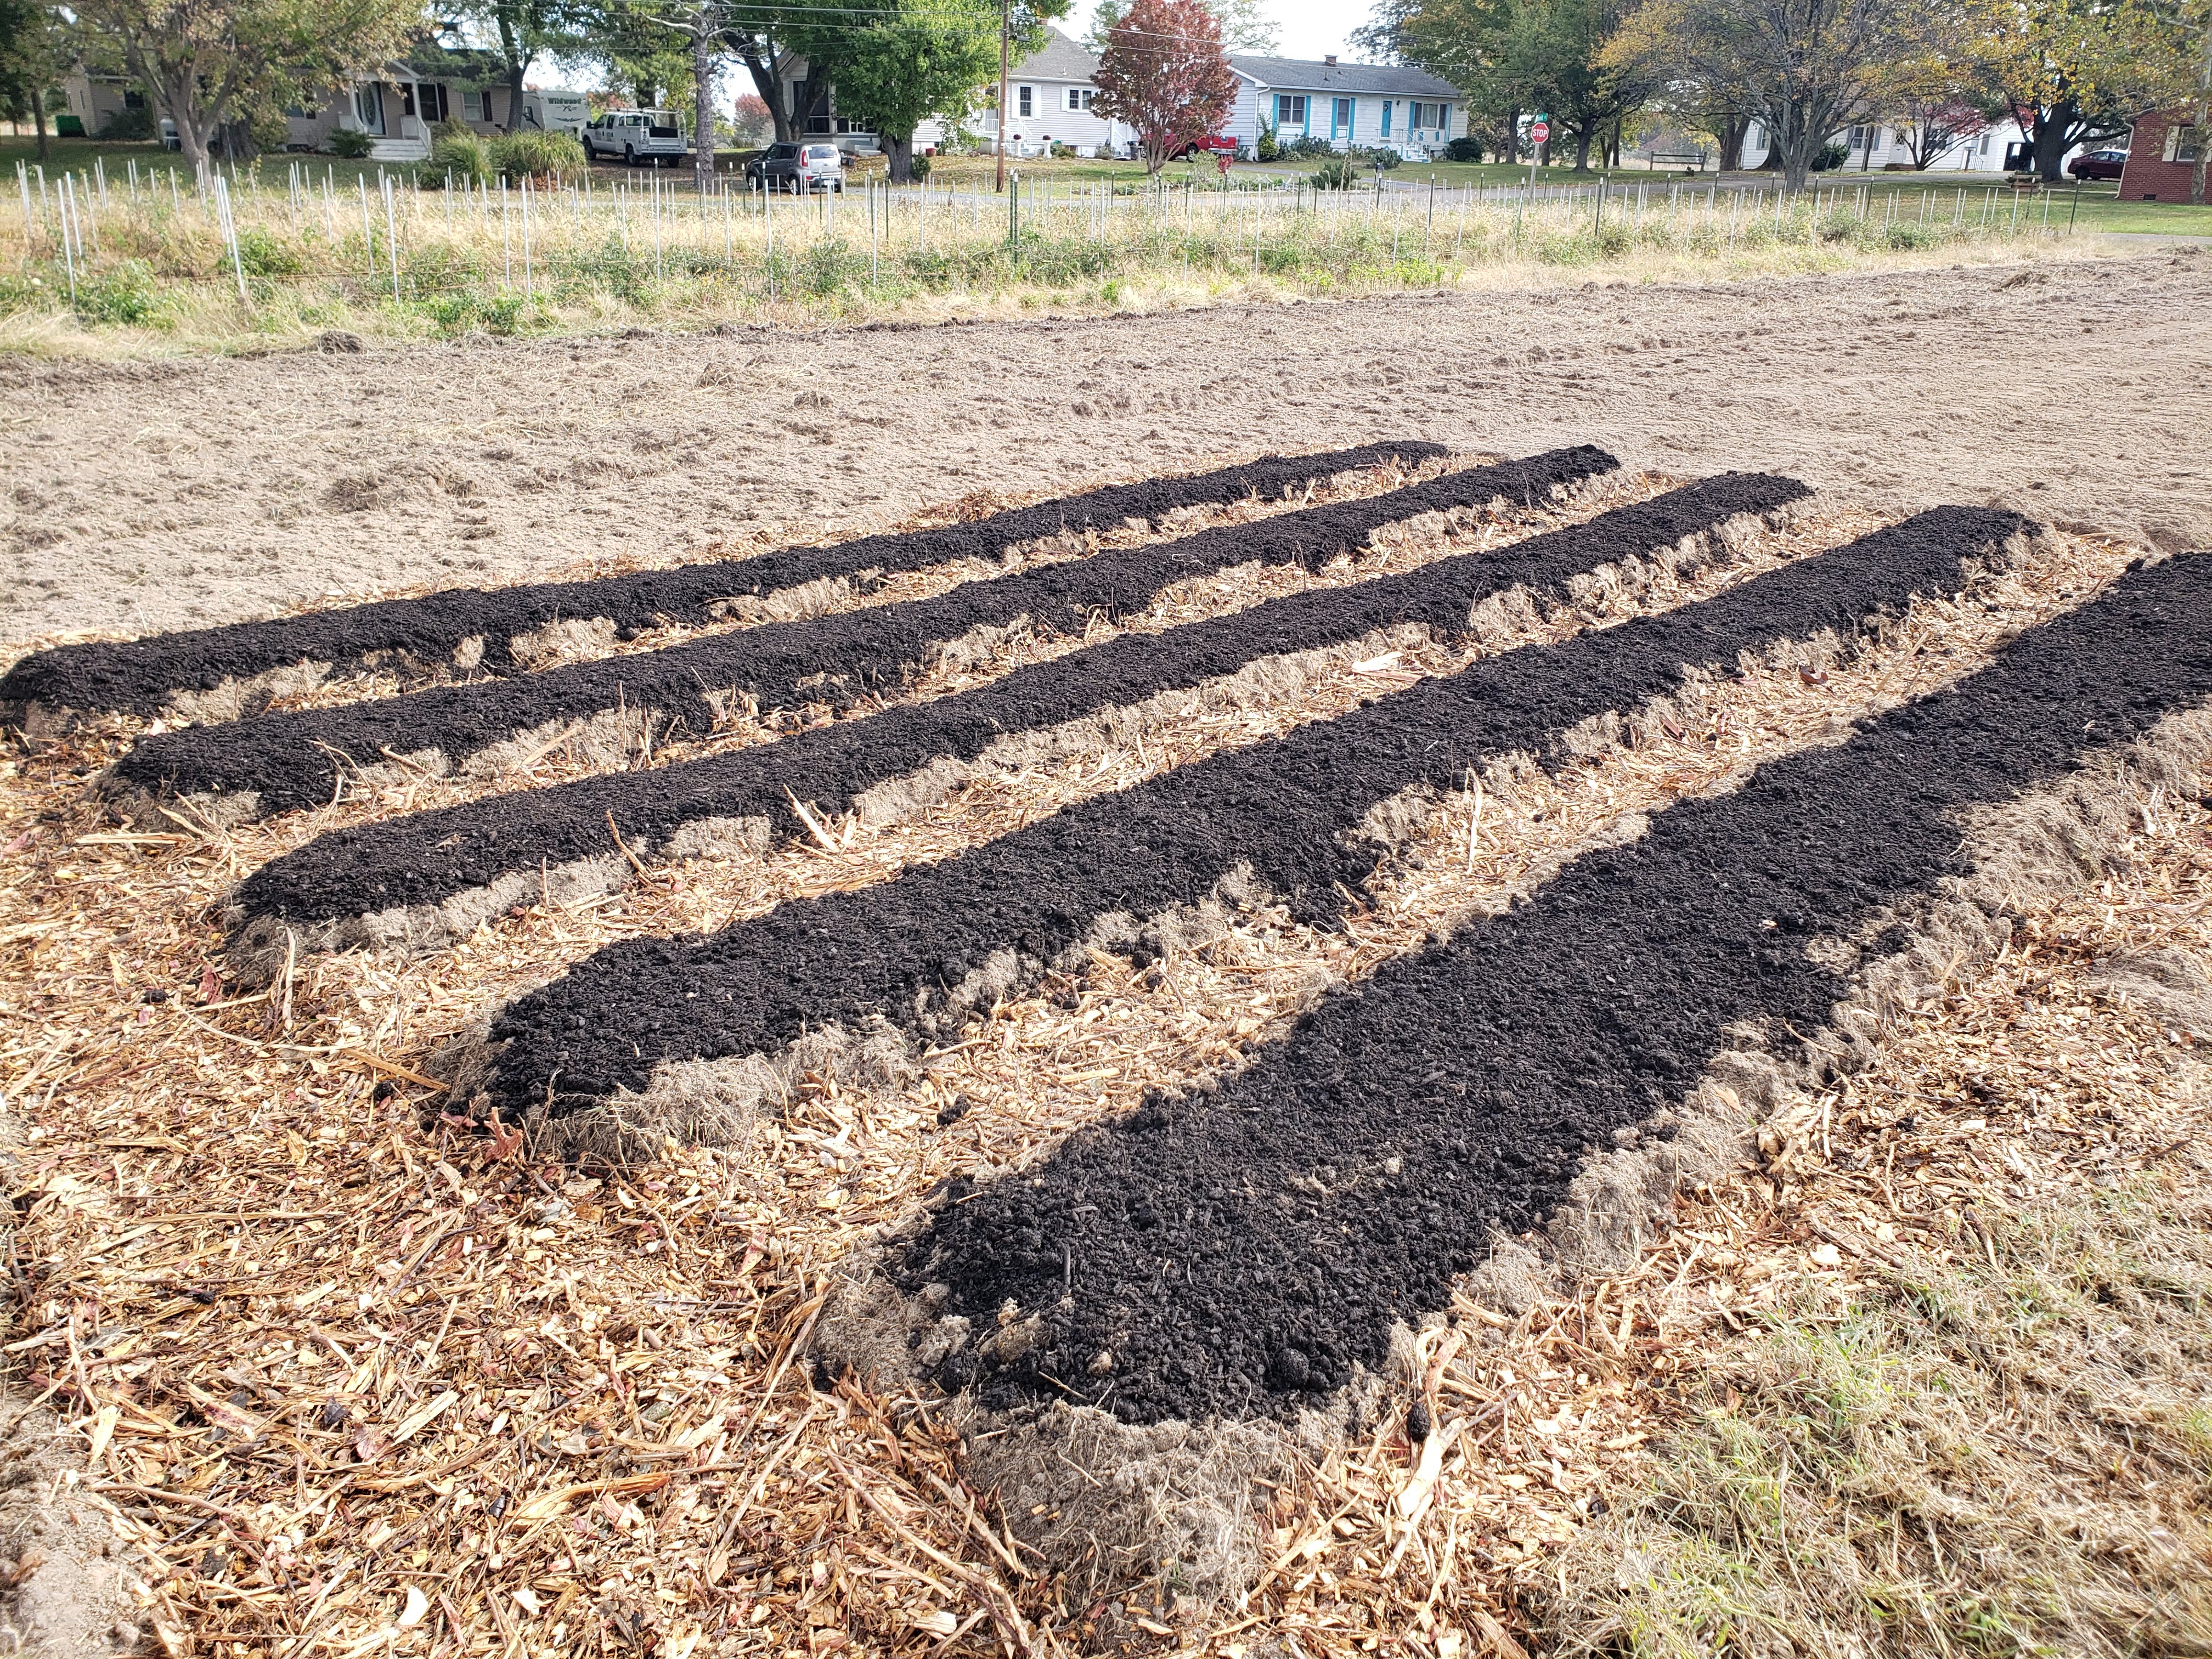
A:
{"x": 2161, "y": 156}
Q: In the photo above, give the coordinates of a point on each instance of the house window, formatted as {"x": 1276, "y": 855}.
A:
{"x": 1339, "y": 119}
{"x": 1080, "y": 97}
{"x": 1427, "y": 115}
{"x": 368, "y": 107}
{"x": 430, "y": 101}
{"x": 134, "y": 99}
{"x": 2181, "y": 144}
{"x": 1025, "y": 101}
{"x": 1290, "y": 110}
{"x": 1985, "y": 143}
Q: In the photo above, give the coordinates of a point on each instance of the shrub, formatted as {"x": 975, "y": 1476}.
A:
{"x": 1389, "y": 158}
{"x": 1267, "y": 150}
{"x": 1336, "y": 173}
{"x": 123, "y": 294}
{"x": 352, "y": 145}
{"x": 553, "y": 155}
{"x": 458, "y": 153}
{"x": 1830, "y": 158}
{"x": 920, "y": 167}
{"x": 1463, "y": 150}
{"x": 260, "y": 254}
{"x": 1307, "y": 144}
{"x": 129, "y": 125}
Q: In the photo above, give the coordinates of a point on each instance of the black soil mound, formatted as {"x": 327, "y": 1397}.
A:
{"x": 292, "y": 759}
{"x": 1282, "y": 807}
{"x": 421, "y": 635}
{"x": 428, "y": 858}
{"x": 1236, "y": 1253}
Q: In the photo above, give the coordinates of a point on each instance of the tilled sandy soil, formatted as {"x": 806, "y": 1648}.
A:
{"x": 159, "y": 495}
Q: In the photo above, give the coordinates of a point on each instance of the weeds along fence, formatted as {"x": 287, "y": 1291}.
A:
{"x": 157, "y": 247}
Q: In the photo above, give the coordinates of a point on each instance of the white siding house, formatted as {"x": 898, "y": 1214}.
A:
{"x": 1049, "y": 96}
{"x": 1875, "y": 146}
{"x": 1369, "y": 106}
{"x": 399, "y": 104}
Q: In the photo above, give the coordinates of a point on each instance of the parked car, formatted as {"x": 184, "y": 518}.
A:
{"x": 801, "y": 168}
{"x": 654, "y": 137}
{"x": 2098, "y": 164}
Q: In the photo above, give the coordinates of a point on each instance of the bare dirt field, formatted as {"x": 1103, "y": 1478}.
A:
{"x": 149, "y": 496}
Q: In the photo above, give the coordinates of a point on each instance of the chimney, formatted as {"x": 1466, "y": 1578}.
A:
{"x": 1330, "y": 58}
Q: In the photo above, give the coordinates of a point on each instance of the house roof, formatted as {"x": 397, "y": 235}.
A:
{"x": 1310, "y": 75}
{"x": 1058, "y": 59}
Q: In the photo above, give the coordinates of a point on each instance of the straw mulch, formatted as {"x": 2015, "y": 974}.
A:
{"x": 348, "y": 1380}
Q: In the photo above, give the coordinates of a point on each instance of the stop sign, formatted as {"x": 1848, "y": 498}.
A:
{"x": 1539, "y": 132}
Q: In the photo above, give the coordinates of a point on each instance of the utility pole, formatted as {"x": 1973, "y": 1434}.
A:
{"x": 1006, "y": 30}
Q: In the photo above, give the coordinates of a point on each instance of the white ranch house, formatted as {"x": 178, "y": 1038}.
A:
{"x": 399, "y": 104}
{"x": 1049, "y": 96}
{"x": 1371, "y": 106}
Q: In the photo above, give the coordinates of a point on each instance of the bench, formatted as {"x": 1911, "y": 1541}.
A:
{"x": 1688, "y": 161}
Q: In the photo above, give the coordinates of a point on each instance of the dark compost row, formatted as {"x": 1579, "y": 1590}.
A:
{"x": 280, "y": 761}
{"x": 430, "y": 857}
{"x": 1233, "y": 1253}
{"x": 896, "y": 952}
{"x": 420, "y": 636}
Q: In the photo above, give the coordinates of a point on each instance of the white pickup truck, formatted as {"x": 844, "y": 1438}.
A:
{"x": 654, "y": 137}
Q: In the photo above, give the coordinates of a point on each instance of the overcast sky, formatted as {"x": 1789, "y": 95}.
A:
{"x": 1315, "y": 28}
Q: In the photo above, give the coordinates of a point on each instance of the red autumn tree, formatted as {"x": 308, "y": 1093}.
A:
{"x": 1164, "y": 72}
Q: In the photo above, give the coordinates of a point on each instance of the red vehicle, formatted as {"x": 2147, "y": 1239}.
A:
{"x": 1220, "y": 143}
{"x": 2098, "y": 164}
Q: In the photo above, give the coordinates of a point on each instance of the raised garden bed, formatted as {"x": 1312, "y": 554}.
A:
{"x": 434, "y": 636}
{"x": 916, "y": 954}
{"x": 389, "y": 879}
{"x": 615, "y": 707}
{"x": 1240, "y": 1253}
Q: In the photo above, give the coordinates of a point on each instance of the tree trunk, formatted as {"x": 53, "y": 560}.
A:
{"x": 769, "y": 86}
{"x": 1734, "y": 129}
{"x": 901, "y": 158}
{"x": 39, "y": 126}
{"x": 192, "y": 133}
{"x": 2204, "y": 119}
{"x": 702, "y": 96}
{"x": 2052, "y": 128}
{"x": 1585, "y": 133}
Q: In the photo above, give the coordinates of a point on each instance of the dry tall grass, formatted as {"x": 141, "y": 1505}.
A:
{"x": 107, "y": 265}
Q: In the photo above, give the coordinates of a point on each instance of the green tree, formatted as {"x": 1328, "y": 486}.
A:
{"x": 896, "y": 66}
{"x": 516, "y": 34}
{"x": 1468, "y": 43}
{"x": 210, "y": 64}
{"x": 32, "y": 54}
{"x": 1557, "y": 48}
{"x": 2076, "y": 71}
{"x": 1806, "y": 69}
